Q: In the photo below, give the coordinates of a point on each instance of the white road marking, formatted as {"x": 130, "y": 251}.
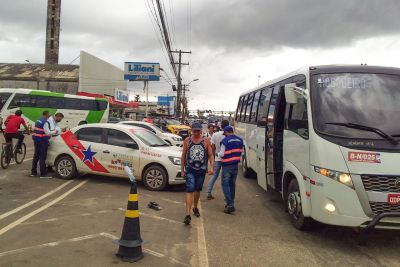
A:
{"x": 12, "y": 163}
{"x": 151, "y": 252}
{"x": 159, "y": 218}
{"x": 4, "y": 215}
{"x": 33, "y": 213}
{"x": 172, "y": 201}
{"x": 201, "y": 242}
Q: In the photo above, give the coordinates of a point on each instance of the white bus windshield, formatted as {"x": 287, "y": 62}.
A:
{"x": 344, "y": 99}
{"x": 3, "y": 99}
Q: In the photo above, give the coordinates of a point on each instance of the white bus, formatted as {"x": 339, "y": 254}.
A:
{"x": 77, "y": 110}
{"x": 327, "y": 138}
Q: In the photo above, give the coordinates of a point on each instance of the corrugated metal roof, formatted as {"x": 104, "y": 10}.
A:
{"x": 33, "y": 72}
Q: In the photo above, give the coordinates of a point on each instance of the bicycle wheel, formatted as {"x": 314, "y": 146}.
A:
{"x": 5, "y": 160}
{"x": 19, "y": 157}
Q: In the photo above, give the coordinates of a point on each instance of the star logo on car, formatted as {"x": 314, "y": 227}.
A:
{"x": 88, "y": 154}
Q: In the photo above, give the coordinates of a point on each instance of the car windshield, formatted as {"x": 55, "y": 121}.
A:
{"x": 348, "y": 105}
{"x": 3, "y": 99}
{"x": 157, "y": 129}
{"x": 173, "y": 122}
{"x": 149, "y": 138}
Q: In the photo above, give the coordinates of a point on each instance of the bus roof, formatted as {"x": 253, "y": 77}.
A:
{"x": 45, "y": 93}
{"x": 331, "y": 69}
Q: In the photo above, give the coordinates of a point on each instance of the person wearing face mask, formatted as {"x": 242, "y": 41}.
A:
{"x": 196, "y": 153}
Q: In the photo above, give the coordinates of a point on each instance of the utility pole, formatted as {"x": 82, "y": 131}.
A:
{"x": 179, "y": 80}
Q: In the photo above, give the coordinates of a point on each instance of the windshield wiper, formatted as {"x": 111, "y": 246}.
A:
{"x": 158, "y": 145}
{"x": 366, "y": 128}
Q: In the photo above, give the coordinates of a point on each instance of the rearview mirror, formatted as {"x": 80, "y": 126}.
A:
{"x": 290, "y": 94}
{"x": 132, "y": 145}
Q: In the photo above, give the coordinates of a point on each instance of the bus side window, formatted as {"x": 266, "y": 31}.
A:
{"x": 263, "y": 107}
{"x": 20, "y": 100}
{"x": 248, "y": 107}
{"x": 101, "y": 105}
{"x": 296, "y": 119}
{"x": 253, "y": 116}
{"x": 243, "y": 108}
{"x": 238, "y": 109}
{"x": 56, "y": 102}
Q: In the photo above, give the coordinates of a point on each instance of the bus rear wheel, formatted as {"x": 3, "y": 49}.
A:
{"x": 294, "y": 207}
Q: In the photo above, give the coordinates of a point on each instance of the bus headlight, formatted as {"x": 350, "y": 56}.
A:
{"x": 341, "y": 177}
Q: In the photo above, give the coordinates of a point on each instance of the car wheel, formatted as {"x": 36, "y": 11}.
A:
{"x": 294, "y": 207}
{"x": 155, "y": 178}
{"x": 65, "y": 168}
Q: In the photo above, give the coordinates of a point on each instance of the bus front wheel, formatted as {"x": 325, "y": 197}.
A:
{"x": 294, "y": 207}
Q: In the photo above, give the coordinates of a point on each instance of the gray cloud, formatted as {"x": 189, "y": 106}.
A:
{"x": 268, "y": 24}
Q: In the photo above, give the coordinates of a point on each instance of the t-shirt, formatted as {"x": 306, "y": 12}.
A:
{"x": 216, "y": 140}
{"x": 13, "y": 123}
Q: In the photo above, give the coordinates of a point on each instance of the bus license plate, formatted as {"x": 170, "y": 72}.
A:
{"x": 394, "y": 199}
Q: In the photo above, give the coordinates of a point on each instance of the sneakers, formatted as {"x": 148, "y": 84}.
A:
{"x": 33, "y": 175}
{"x": 187, "y": 220}
{"x": 153, "y": 205}
{"x": 210, "y": 197}
{"x": 229, "y": 209}
{"x": 196, "y": 212}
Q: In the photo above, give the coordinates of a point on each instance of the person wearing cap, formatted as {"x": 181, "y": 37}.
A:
{"x": 230, "y": 153}
{"x": 196, "y": 154}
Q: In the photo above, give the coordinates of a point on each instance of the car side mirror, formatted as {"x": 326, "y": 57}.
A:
{"x": 132, "y": 145}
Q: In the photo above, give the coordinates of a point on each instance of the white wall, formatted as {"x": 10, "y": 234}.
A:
{"x": 97, "y": 76}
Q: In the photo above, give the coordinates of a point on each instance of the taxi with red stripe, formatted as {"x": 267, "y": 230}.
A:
{"x": 105, "y": 149}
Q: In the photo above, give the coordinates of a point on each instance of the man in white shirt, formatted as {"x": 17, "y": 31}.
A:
{"x": 52, "y": 128}
{"x": 216, "y": 139}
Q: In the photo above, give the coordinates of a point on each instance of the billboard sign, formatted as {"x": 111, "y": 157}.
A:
{"x": 121, "y": 96}
{"x": 164, "y": 100}
{"x": 142, "y": 71}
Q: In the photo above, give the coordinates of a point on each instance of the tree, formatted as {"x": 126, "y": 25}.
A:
{"x": 137, "y": 98}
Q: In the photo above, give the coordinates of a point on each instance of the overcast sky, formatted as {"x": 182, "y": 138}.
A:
{"x": 233, "y": 41}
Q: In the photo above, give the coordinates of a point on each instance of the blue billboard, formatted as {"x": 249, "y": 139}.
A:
{"x": 142, "y": 71}
{"x": 165, "y": 100}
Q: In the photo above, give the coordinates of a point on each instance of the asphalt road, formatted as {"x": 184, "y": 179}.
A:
{"x": 54, "y": 222}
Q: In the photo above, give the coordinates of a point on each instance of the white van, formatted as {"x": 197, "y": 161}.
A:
{"x": 328, "y": 139}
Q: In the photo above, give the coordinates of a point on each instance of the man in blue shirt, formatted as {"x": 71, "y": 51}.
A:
{"x": 230, "y": 153}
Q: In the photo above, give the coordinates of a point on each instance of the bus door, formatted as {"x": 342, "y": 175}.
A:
{"x": 260, "y": 136}
{"x": 269, "y": 138}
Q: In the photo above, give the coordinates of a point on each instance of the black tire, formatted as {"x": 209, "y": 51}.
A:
{"x": 5, "y": 162}
{"x": 82, "y": 123}
{"x": 19, "y": 157}
{"x": 245, "y": 169}
{"x": 65, "y": 168}
{"x": 294, "y": 207}
{"x": 155, "y": 178}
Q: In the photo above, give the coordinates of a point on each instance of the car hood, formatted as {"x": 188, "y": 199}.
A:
{"x": 180, "y": 127}
{"x": 172, "y": 151}
{"x": 170, "y": 135}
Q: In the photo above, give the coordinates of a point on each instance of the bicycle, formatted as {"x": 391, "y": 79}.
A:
{"x": 8, "y": 152}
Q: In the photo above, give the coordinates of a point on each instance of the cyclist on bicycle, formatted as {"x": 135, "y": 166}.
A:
{"x": 13, "y": 124}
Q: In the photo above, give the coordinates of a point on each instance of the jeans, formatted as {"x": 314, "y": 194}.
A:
{"x": 194, "y": 180}
{"x": 217, "y": 169}
{"x": 228, "y": 182}
{"x": 40, "y": 156}
{"x": 19, "y": 135}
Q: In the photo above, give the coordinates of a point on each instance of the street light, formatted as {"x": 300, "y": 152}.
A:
{"x": 185, "y": 99}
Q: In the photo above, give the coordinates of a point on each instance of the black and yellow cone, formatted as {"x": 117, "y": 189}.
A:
{"x": 130, "y": 244}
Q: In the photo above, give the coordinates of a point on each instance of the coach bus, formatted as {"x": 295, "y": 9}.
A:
{"x": 77, "y": 110}
{"x": 327, "y": 138}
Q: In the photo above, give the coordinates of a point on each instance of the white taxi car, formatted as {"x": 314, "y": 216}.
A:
{"x": 172, "y": 139}
{"x": 105, "y": 149}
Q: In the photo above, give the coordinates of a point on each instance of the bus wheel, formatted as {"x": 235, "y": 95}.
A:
{"x": 245, "y": 169}
{"x": 65, "y": 168}
{"x": 294, "y": 207}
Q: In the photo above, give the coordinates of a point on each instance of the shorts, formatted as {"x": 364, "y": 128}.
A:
{"x": 194, "y": 181}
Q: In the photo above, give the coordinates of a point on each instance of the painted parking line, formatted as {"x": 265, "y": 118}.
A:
{"x": 44, "y": 207}
{"x": 201, "y": 242}
{"x": 4, "y": 215}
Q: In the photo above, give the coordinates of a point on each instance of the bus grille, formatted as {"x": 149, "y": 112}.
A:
{"x": 380, "y": 207}
{"x": 381, "y": 183}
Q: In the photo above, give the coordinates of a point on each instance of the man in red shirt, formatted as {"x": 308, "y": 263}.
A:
{"x": 13, "y": 123}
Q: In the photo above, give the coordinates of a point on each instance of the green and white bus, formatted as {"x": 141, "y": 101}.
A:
{"x": 77, "y": 110}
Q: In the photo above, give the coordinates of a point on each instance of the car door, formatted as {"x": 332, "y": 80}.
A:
{"x": 116, "y": 155}
{"x": 88, "y": 150}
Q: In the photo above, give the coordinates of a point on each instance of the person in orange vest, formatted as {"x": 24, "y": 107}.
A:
{"x": 41, "y": 136}
{"x": 230, "y": 153}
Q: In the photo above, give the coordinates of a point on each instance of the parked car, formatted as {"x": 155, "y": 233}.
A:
{"x": 173, "y": 126}
{"x": 172, "y": 139}
{"x": 105, "y": 149}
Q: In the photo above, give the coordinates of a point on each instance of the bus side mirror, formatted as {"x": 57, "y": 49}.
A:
{"x": 292, "y": 97}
